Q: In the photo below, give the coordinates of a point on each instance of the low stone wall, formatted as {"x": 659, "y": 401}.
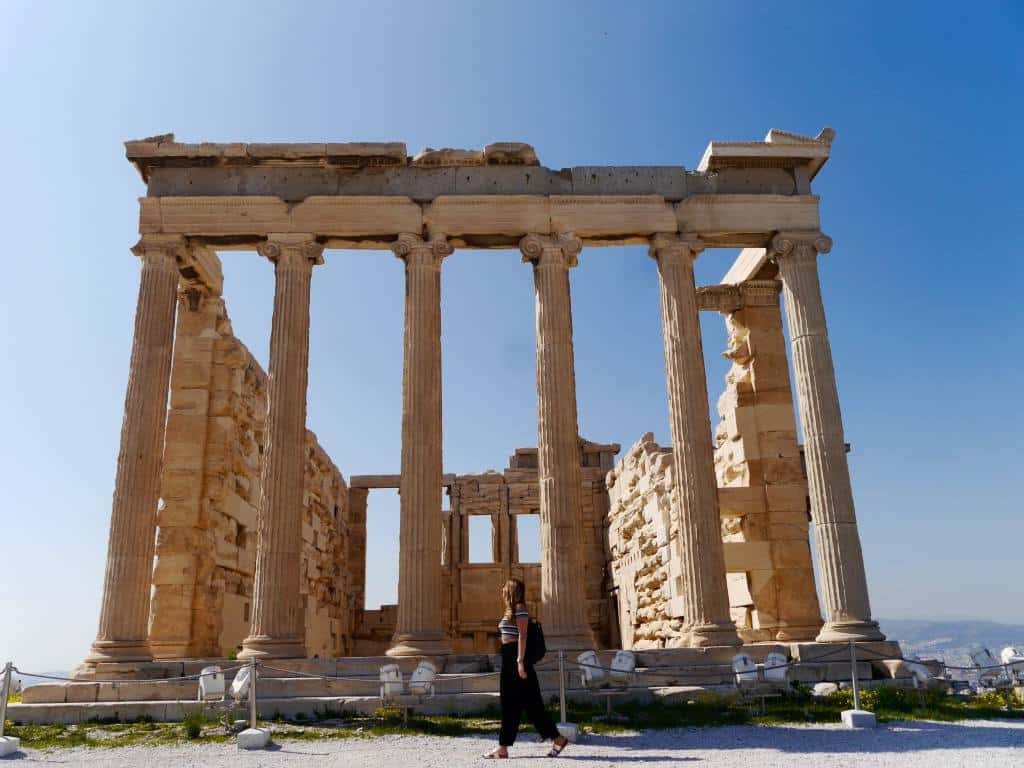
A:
{"x": 206, "y": 540}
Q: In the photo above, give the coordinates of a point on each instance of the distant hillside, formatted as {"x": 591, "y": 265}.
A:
{"x": 951, "y": 640}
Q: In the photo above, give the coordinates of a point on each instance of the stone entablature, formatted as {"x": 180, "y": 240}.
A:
{"x": 357, "y": 195}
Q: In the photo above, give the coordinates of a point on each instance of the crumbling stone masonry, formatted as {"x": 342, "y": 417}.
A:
{"x": 762, "y": 495}
{"x": 206, "y": 536}
{"x": 768, "y": 556}
{"x": 470, "y": 597}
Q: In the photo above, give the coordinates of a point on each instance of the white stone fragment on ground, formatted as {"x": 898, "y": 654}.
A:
{"x": 858, "y": 718}
{"x": 571, "y": 731}
{"x": 254, "y": 738}
{"x": 9, "y": 745}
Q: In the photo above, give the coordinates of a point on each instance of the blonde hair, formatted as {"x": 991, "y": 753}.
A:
{"x": 513, "y": 593}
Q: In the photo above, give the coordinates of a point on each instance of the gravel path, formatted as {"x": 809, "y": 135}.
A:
{"x": 910, "y": 744}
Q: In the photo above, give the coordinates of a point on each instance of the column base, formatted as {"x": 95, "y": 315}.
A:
{"x": 119, "y": 651}
{"x": 704, "y": 635}
{"x": 170, "y": 650}
{"x": 798, "y": 632}
{"x": 266, "y": 647}
{"x": 425, "y": 644}
{"x": 569, "y": 639}
{"x": 845, "y": 631}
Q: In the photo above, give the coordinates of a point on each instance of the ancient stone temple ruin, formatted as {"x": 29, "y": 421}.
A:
{"x": 233, "y": 531}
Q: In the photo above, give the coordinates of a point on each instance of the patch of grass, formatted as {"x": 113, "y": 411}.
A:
{"x": 106, "y": 735}
{"x": 710, "y": 711}
{"x": 50, "y": 736}
{"x": 192, "y": 723}
{"x": 889, "y": 703}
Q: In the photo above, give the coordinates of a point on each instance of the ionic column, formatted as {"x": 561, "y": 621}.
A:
{"x": 277, "y": 629}
{"x": 840, "y": 562}
{"x": 124, "y": 611}
{"x": 558, "y": 449}
{"x": 705, "y": 594}
{"x": 420, "y": 629}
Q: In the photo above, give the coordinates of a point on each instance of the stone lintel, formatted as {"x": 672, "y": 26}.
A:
{"x": 732, "y": 298}
{"x": 747, "y": 264}
{"x": 387, "y": 481}
{"x": 200, "y": 265}
{"x": 479, "y": 221}
{"x": 745, "y": 220}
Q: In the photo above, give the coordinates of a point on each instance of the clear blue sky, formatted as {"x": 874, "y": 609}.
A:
{"x": 923, "y": 287}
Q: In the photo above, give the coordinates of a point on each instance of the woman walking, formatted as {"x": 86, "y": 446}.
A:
{"x": 519, "y": 687}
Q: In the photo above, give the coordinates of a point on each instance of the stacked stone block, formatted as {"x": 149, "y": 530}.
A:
{"x": 768, "y": 556}
{"x": 206, "y": 538}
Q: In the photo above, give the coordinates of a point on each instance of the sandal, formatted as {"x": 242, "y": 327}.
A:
{"x": 556, "y": 748}
{"x": 495, "y": 754}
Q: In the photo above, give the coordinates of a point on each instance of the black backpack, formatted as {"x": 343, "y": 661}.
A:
{"x": 535, "y": 646}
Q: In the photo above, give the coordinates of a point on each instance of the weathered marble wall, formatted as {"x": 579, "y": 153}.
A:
{"x": 762, "y": 491}
{"x": 643, "y": 543}
{"x": 206, "y": 539}
{"x": 768, "y": 556}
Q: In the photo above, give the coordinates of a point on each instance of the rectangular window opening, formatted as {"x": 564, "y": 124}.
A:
{"x": 481, "y": 533}
{"x": 528, "y": 538}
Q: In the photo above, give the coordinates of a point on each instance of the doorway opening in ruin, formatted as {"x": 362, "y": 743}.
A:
{"x": 382, "y": 555}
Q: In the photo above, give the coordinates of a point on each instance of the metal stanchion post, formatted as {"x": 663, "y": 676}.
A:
{"x": 3, "y": 696}
{"x": 561, "y": 682}
{"x": 253, "y": 737}
{"x": 853, "y": 675}
{"x": 856, "y": 717}
{"x": 252, "y": 693}
{"x": 569, "y": 730}
{"x": 8, "y": 744}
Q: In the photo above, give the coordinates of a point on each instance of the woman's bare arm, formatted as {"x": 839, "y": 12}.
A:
{"x": 522, "y": 622}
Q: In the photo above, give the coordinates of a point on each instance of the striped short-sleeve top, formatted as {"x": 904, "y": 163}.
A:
{"x": 507, "y": 627}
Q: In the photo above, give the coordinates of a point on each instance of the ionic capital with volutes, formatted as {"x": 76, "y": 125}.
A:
{"x": 162, "y": 251}
{"x": 416, "y": 251}
{"x": 560, "y": 249}
{"x": 801, "y": 245}
{"x": 292, "y": 250}
{"x": 685, "y": 245}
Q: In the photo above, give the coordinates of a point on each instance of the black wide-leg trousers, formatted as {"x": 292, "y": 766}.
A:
{"x": 518, "y": 695}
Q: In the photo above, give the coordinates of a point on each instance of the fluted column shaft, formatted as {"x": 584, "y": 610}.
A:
{"x": 558, "y": 447}
{"x": 124, "y": 611}
{"x": 420, "y": 629}
{"x": 705, "y": 595}
{"x": 840, "y": 561}
{"x": 277, "y": 629}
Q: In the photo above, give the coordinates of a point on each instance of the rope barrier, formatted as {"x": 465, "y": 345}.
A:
{"x": 681, "y": 671}
{"x": 183, "y": 678}
{"x": 369, "y": 678}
